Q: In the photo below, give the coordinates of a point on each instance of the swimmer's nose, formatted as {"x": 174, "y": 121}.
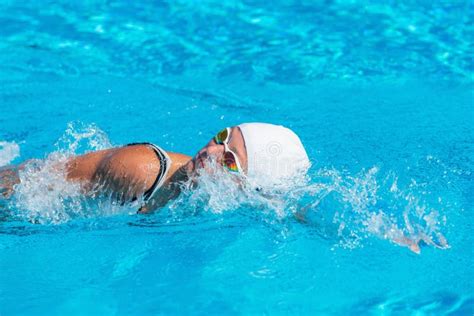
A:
{"x": 215, "y": 150}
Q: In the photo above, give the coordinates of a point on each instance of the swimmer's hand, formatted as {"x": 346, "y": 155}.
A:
{"x": 143, "y": 210}
{"x": 415, "y": 244}
{"x": 8, "y": 179}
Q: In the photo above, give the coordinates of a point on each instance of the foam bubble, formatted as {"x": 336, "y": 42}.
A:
{"x": 349, "y": 209}
{"x": 370, "y": 204}
{"x": 80, "y": 137}
{"x": 216, "y": 190}
{"x": 8, "y": 152}
{"x": 345, "y": 207}
{"x": 44, "y": 195}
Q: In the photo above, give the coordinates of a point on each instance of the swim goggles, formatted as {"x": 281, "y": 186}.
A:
{"x": 231, "y": 160}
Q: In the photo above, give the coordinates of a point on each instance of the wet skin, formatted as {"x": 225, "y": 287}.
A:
{"x": 236, "y": 144}
{"x": 128, "y": 172}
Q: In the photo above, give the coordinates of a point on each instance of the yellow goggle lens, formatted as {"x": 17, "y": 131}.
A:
{"x": 221, "y": 137}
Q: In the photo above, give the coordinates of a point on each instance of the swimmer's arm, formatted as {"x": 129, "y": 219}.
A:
{"x": 78, "y": 168}
{"x": 10, "y": 176}
{"x": 413, "y": 245}
{"x": 300, "y": 214}
{"x": 172, "y": 186}
{"x": 167, "y": 192}
{"x": 113, "y": 168}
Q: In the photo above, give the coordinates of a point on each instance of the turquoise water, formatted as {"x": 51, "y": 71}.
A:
{"x": 379, "y": 92}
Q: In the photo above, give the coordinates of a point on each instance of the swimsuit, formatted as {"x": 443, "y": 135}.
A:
{"x": 165, "y": 164}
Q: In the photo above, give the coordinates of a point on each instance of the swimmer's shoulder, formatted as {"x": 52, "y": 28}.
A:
{"x": 138, "y": 162}
{"x": 134, "y": 162}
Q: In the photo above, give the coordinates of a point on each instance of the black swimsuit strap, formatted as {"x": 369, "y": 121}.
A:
{"x": 163, "y": 167}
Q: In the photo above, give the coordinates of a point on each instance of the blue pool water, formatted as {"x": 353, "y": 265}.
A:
{"x": 381, "y": 93}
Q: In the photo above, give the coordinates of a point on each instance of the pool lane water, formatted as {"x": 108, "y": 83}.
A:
{"x": 380, "y": 93}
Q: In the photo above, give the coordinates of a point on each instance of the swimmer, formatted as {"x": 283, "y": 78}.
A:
{"x": 264, "y": 155}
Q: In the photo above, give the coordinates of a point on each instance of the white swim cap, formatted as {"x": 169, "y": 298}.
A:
{"x": 275, "y": 155}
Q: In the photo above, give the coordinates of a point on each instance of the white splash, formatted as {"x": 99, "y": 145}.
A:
{"x": 8, "y": 152}
{"x": 79, "y": 138}
{"x": 348, "y": 208}
{"x": 44, "y": 195}
{"x": 372, "y": 205}
{"x": 217, "y": 190}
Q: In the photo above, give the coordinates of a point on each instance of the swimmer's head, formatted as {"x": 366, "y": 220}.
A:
{"x": 268, "y": 155}
{"x": 275, "y": 154}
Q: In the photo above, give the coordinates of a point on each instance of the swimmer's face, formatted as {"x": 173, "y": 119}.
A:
{"x": 212, "y": 149}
